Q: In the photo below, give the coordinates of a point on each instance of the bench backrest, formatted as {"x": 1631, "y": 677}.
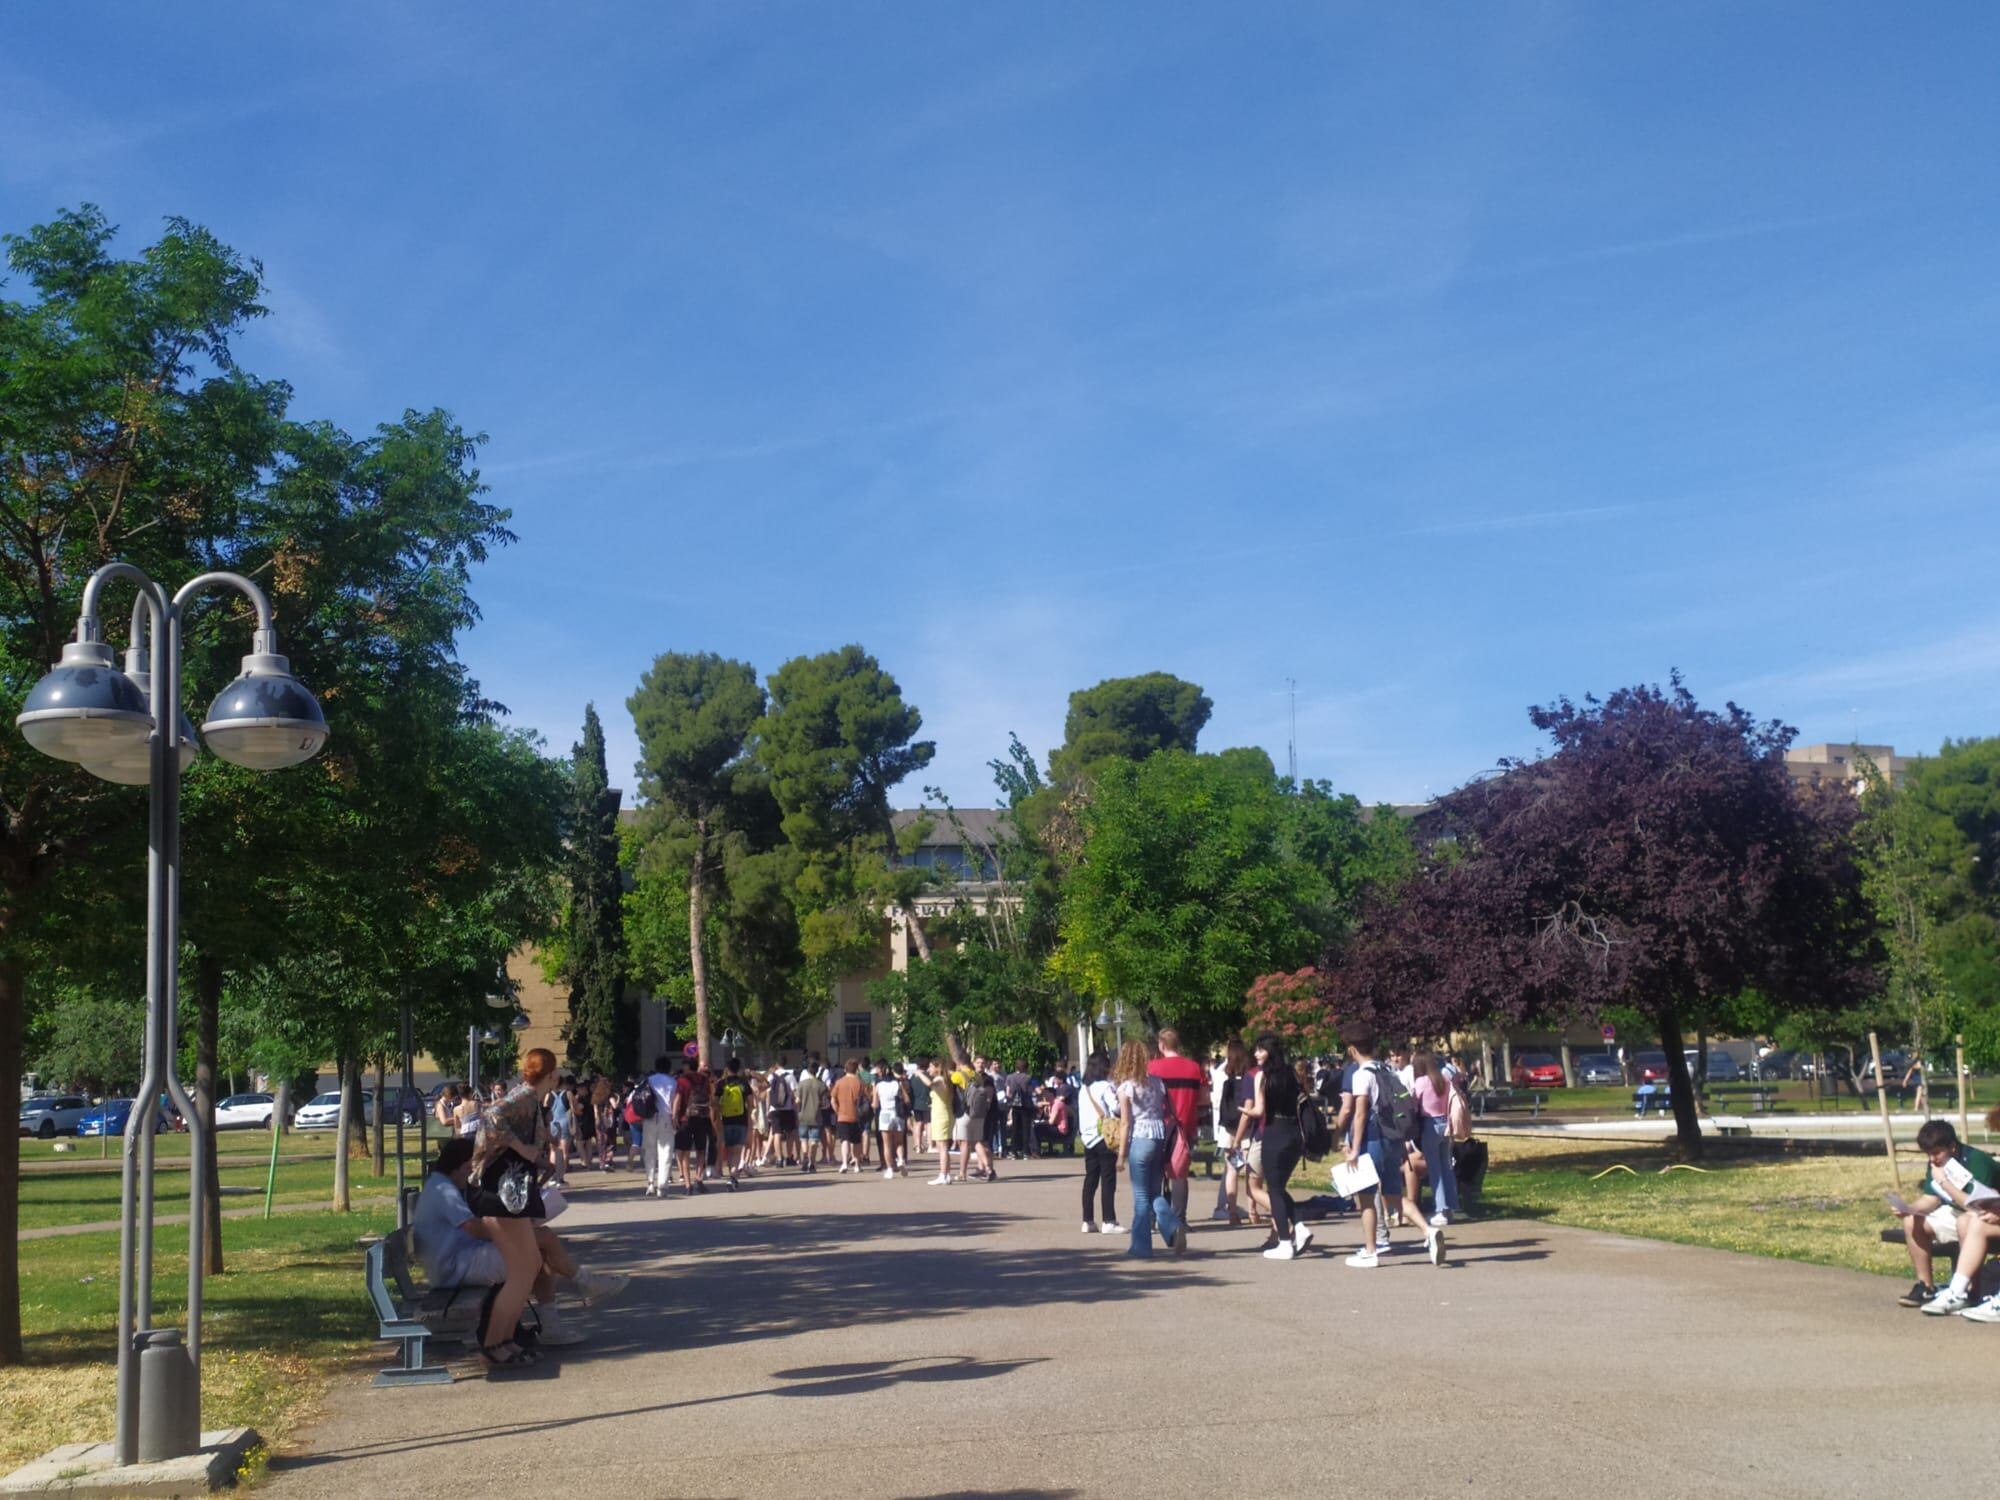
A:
{"x": 398, "y": 1251}
{"x": 378, "y": 1286}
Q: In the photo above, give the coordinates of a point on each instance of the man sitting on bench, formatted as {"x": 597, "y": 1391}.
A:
{"x": 455, "y": 1248}
{"x": 1959, "y": 1175}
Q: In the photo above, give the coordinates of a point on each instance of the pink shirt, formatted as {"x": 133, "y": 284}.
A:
{"x": 1432, "y": 1100}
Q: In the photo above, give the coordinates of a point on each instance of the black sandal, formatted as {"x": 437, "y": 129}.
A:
{"x": 516, "y": 1357}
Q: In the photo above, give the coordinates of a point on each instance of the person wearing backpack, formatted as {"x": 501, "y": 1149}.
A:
{"x": 982, "y": 1109}
{"x": 653, "y": 1102}
{"x": 1383, "y": 1126}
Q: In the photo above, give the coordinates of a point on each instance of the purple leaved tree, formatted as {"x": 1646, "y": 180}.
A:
{"x": 1659, "y": 858}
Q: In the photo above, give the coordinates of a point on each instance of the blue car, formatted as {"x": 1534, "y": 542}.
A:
{"x": 109, "y": 1118}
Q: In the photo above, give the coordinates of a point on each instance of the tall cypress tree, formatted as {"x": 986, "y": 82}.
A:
{"x": 600, "y": 1032}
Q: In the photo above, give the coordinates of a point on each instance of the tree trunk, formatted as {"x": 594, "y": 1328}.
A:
{"x": 697, "y": 958}
{"x": 13, "y": 1009}
{"x": 1569, "y": 1067}
{"x": 350, "y": 1089}
{"x": 381, "y": 1094}
{"x": 208, "y": 1020}
{"x": 281, "y": 1103}
{"x": 1687, "y": 1124}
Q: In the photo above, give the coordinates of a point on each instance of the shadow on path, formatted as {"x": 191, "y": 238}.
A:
{"x": 822, "y": 1380}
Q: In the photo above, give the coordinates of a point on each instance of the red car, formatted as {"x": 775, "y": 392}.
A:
{"x": 1537, "y": 1070}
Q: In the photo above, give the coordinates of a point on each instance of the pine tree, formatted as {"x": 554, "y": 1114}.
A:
{"x": 600, "y": 1033}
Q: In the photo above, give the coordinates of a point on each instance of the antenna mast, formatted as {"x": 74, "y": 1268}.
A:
{"x": 1292, "y": 745}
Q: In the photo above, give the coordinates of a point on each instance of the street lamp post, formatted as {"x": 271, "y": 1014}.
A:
{"x": 128, "y": 727}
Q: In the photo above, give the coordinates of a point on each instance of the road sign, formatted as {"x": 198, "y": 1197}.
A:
{"x": 691, "y": 1050}
{"x": 1610, "y": 1032}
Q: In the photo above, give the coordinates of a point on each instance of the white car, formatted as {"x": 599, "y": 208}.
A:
{"x": 246, "y": 1112}
{"x": 322, "y": 1113}
{"x": 51, "y": 1115}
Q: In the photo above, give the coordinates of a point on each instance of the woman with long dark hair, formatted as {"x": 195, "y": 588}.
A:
{"x": 1274, "y": 1103}
{"x": 1096, "y": 1102}
{"x": 1433, "y": 1090}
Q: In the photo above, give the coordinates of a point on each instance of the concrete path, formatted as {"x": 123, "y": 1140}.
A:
{"x": 858, "y": 1337}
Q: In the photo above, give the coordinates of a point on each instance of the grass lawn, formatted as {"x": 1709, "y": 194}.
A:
{"x": 1824, "y": 1208}
{"x": 279, "y": 1323}
{"x": 50, "y": 1198}
{"x": 1793, "y": 1098}
{"x": 173, "y": 1143}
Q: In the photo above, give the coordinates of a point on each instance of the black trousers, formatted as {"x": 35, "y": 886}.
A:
{"x": 1100, "y": 1175}
{"x": 1020, "y": 1122}
{"x": 1282, "y": 1150}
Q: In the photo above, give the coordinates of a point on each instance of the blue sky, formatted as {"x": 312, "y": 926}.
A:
{"x": 1445, "y": 362}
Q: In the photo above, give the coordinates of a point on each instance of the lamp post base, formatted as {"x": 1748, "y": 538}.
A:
{"x": 92, "y": 1469}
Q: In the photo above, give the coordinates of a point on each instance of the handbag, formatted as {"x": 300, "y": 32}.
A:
{"x": 516, "y": 1182}
{"x": 1110, "y": 1128}
{"x": 1458, "y": 1115}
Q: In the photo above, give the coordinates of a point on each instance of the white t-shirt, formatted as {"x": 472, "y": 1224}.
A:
{"x": 445, "y": 1249}
{"x": 1149, "y": 1108}
{"x": 1367, "y": 1089}
{"x": 1218, "y": 1090}
{"x": 1093, "y": 1102}
{"x": 885, "y": 1103}
{"x": 663, "y": 1090}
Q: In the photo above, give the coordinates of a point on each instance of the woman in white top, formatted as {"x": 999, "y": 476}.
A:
{"x": 1094, "y": 1101}
{"x": 889, "y": 1120}
{"x": 1147, "y": 1140}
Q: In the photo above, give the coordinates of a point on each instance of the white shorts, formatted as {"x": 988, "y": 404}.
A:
{"x": 887, "y": 1120}
{"x": 961, "y": 1129}
{"x": 1943, "y": 1222}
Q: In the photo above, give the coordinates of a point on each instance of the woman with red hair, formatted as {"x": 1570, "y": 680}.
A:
{"x": 506, "y": 1192}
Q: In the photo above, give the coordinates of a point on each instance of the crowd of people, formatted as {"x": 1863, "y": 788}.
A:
{"x": 1397, "y": 1129}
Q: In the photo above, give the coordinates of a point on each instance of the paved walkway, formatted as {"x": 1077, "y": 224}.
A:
{"x": 857, "y": 1337}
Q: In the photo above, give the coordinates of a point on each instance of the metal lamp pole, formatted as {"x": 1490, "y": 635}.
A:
{"x": 128, "y": 727}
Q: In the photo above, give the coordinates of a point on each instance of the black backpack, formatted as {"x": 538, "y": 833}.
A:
{"x": 1232, "y": 1107}
{"x": 981, "y": 1090}
{"x": 645, "y": 1103}
{"x": 1314, "y": 1136}
{"x": 1396, "y": 1118}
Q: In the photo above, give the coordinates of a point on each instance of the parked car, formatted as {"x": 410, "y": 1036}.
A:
{"x": 1649, "y": 1067}
{"x": 50, "y": 1115}
{"x": 110, "y": 1117}
{"x": 409, "y": 1103}
{"x": 1538, "y": 1070}
{"x": 1722, "y": 1067}
{"x": 321, "y": 1112}
{"x": 245, "y": 1112}
{"x": 1595, "y": 1068}
{"x": 1776, "y": 1064}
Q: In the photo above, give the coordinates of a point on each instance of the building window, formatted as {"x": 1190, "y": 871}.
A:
{"x": 860, "y": 1030}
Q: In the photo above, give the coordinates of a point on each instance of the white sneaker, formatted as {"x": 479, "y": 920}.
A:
{"x": 1301, "y": 1238}
{"x": 1281, "y": 1251}
{"x": 555, "y": 1332}
{"x": 1439, "y": 1220}
{"x": 1361, "y": 1260}
{"x": 1112, "y": 1229}
{"x": 1948, "y": 1301}
{"x": 1984, "y": 1312}
{"x": 1434, "y": 1244}
{"x": 596, "y": 1287}
{"x": 888, "y": 1171}
{"x": 1088, "y": 1227}
{"x": 940, "y": 1182}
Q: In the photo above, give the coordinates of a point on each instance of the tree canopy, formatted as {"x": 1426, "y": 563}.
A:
{"x": 1659, "y": 858}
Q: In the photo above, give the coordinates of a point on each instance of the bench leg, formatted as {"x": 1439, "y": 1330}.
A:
{"x": 412, "y": 1370}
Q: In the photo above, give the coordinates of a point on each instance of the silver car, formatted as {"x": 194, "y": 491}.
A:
{"x": 50, "y": 1115}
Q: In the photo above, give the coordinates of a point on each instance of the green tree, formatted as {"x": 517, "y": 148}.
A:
{"x": 1186, "y": 889}
{"x": 600, "y": 1033}
{"x": 694, "y": 713}
{"x": 1129, "y": 718}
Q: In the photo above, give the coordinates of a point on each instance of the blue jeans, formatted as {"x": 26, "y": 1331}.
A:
{"x": 1147, "y": 1164}
{"x": 1436, "y": 1147}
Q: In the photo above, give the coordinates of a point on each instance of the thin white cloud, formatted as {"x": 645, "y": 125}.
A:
{"x": 1968, "y": 654}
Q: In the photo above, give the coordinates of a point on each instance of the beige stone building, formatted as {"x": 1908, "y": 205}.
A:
{"x": 1834, "y": 765}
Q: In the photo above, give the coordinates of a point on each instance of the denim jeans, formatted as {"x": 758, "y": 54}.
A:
{"x": 1147, "y": 1163}
{"x": 1437, "y": 1155}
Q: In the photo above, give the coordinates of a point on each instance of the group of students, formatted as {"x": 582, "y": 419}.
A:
{"x": 1957, "y": 1214}
{"x": 1393, "y": 1125}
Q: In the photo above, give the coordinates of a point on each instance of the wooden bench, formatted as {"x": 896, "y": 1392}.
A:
{"x": 1497, "y": 1101}
{"x": 1758, "y": 1098}
{"x": 1943, "y": 1095}
{"x": 1648, "y": 1096}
